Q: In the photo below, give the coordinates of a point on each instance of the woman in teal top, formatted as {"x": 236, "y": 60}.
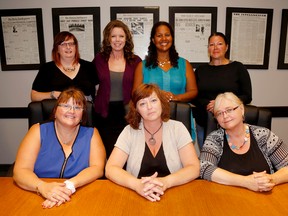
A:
{"x": 164, "y": 67}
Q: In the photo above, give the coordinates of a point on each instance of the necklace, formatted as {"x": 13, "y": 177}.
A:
{"x": 246, "y": 137}
{"x": 66, "y": 142}
{"x": 69, "y": 69}
{"x": 163, "y": 63}
{"x": 151, "y": 140}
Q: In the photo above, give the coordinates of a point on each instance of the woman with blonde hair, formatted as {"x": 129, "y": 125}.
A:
{"x": 240, "y": 154}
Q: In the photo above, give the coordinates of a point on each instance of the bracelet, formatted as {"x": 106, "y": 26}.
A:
{"x": 37, "y": 188}
{"x": 52, "y": 95}
{"x": 70, "y": 186}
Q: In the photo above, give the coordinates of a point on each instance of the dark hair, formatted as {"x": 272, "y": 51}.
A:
{"x": 151, "y": 58}
{"x": 144, "y": 91}
{"x": 219, "y": 34}
{"x": 78, "y": 97}
{"x": 129, "y": 45}
{"x": 59, "y": 38}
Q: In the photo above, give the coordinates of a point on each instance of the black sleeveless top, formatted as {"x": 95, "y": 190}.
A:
{"x": 243, "y": 164}
{"x": 151, "y": 164}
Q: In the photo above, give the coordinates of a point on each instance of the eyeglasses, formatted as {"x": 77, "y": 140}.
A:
{"x": 68, "y": 107}
{"x": 66, "y": 44}
{"x": 228, "y": 111}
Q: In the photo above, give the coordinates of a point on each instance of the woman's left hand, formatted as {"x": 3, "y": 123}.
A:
{"x": 265, "y": 181}
{"x": 153, "y": 187}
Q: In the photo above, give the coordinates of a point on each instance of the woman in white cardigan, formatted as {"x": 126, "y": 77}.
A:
{"x": 158, "y": 151}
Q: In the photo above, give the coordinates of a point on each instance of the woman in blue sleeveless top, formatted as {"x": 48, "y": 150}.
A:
{"x": 62, "y": 148}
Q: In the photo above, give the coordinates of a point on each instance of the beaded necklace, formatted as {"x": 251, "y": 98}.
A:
{"x": 246, "y": 137}
{"x": 163, "y": 63}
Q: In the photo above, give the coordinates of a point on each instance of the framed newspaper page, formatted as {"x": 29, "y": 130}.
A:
{"x": 193, "y": 26}
{"x": 283, "y": 46}
{"x": 84, "y": 23}
{"x": 140, "y": 21}
{"x": 21, "y": 38}
{"x": 249, "y": 31}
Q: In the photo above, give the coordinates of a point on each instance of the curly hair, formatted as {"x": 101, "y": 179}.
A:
{"x": 59, "y": 38}
{"x": 151, "y": 58}
{"x": 78, "y": 98}
{"x": 144, "y": 91}
{"x": 106, "y": 48}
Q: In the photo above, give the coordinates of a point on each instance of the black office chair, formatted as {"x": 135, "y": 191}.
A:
{"x": 40, "y": 111}
{"x": 253, "y": 115}
{"x": 181, "y": 111}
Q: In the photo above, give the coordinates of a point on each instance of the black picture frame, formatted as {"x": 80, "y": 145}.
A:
{"x": 73, "y": 12}
{"x": 195, "y": 11}
{"x": 282, "y": 64}
{"x": 249, "y": 46}
{"x": 22, "y": 39}
{"x": 141, "y": 35}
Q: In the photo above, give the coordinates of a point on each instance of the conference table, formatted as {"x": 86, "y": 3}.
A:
{"x": 103, "y": 197}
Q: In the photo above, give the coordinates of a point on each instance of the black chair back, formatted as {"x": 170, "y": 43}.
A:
{"x": 253, "y": 115}
{"x": 40, "y": 111}
{"x": 181, "y": 112}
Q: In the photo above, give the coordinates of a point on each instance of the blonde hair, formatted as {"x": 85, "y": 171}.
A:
{"x": 228, "y": 96}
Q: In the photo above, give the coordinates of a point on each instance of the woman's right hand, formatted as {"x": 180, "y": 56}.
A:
{"x": 150, "y": 188}
{"x": 169, "y": 96}
{"x": 210, "y": 106}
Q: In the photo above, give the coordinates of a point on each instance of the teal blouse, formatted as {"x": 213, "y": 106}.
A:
{"x": 173, "y": 80}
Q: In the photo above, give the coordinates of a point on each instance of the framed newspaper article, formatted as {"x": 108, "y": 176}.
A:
{"x": 140, "y": 21}
{"x": 283, "y": 46}
{"x": 193, "y": 26}
{"x": 21, "y": 38}
{"x": 249, "y": 31}
{"x": 84, "y": 23}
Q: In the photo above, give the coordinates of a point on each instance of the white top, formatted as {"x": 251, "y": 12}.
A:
{"x": 132, "y": 142}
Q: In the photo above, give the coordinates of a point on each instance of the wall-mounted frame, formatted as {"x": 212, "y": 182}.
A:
{"x": 21, "y": 38}
{"x": 249, "y": 30}
{"x": 140, "y": 21}
{"x": 84, "y": 23}
{"x": 283, "y": 46}
{"x": 193, "y": 26}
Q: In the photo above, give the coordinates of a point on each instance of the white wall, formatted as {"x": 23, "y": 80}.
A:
{"x": 269, "y": 86}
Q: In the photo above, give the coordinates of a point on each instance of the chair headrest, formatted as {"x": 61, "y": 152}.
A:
{"x": 251, "y": 114}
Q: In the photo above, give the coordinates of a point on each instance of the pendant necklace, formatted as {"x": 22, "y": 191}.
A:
{"x": 246, "y": 137}
{"x": 151, "y": 140}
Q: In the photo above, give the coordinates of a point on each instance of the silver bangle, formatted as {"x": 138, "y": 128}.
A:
{"x": 70, "y": 186}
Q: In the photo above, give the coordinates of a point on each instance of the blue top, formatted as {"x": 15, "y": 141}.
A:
{"x": 51, "y": 158}
{"x": 173, "y": 80}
